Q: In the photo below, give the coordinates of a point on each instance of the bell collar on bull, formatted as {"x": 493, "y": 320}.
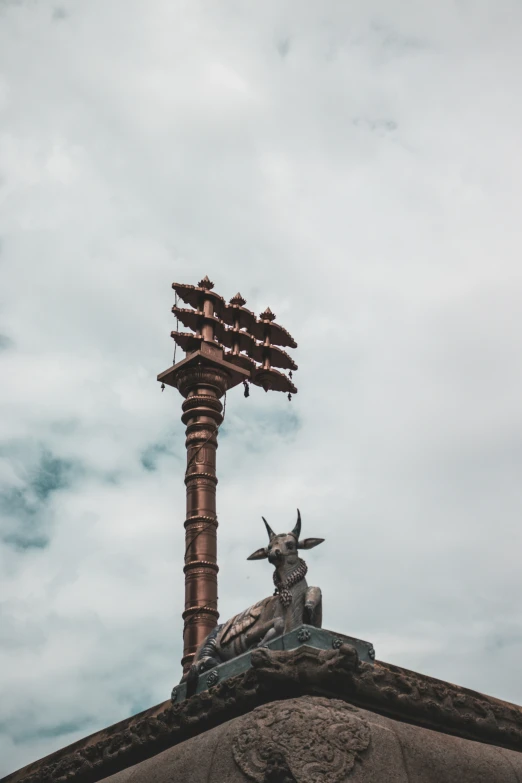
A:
{"x": 293, "y": 603}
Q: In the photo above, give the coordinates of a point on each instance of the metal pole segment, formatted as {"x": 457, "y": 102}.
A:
{"x": 202, "y": 414}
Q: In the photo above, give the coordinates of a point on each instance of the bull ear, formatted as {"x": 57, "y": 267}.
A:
{"x": 259, "y": 554}
{"x": 309, "y": 543}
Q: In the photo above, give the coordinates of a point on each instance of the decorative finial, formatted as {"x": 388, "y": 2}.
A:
{"x": 268, "y": 315}
{"x": 206, "y": 283}
{"x": 238, "y": 300}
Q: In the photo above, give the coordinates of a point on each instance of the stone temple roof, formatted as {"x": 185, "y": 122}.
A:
{"x": 303, "y": 716}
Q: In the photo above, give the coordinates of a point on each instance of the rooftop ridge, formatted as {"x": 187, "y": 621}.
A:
{"x": 381, "y": 687}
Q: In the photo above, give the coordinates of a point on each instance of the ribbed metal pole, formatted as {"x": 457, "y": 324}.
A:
{"x": 202, "y": 414}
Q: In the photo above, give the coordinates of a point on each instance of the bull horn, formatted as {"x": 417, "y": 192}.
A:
{"x": 297, "y": 529}
{"x": 269, "y": 530}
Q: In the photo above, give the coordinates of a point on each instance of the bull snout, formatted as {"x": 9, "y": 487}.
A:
{"x": 275, "y": 555}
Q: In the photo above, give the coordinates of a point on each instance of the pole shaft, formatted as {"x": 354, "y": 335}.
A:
{"x": 202, "y": 415}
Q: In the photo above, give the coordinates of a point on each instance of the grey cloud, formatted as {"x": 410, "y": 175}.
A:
{"x": 393, "y": 39}
{"x": 376, "y": 124}
{"x": 283, "y": 47}
{"x": 260, "y": 428}
{"x": 150, "y": 149}
{"x": 25, "y": 519}
{"x": 52, "y": 474}
{"x": 27, "y": 538}
{"x": 152, "y": 454}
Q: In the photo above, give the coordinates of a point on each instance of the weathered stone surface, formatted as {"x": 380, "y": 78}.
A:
{"x": 393, "y": 691}
{"x": 383, "y": 689}
{"x": 318, "y": 740}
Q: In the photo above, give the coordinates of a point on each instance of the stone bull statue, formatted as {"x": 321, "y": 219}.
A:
{"x": 292, "y": 604}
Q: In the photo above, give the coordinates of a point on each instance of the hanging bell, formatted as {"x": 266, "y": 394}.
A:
{"x": 162, "y": 387}
{"x": 247, "y": 390}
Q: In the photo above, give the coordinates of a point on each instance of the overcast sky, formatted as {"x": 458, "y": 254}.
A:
{"x": 354, "y": 165}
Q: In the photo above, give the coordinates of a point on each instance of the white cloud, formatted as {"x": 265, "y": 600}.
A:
{"x": 356, "y": 167}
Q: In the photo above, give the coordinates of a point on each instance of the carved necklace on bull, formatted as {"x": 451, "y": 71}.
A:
{"x": 283, "y": 589}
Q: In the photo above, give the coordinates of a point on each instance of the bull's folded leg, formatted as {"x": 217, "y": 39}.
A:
{"x": 204, "y": 664}
{"x": 273, "y": 632}
{"x": 313, "y": 612}
{"x": 258, "y": 632}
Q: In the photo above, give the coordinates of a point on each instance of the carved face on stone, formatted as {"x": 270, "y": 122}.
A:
{"x": 283, "y": 548}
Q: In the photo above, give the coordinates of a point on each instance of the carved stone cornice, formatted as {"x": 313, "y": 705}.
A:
{"x": 395, "y": 692}
{"x": 389, "y": 690}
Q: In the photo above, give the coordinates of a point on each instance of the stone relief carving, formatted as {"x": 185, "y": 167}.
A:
{"x": 317, "y": 739}
{"x": 277, "y": 770}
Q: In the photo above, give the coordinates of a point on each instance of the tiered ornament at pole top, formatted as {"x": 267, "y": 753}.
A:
{"x": 255, "y": 345}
